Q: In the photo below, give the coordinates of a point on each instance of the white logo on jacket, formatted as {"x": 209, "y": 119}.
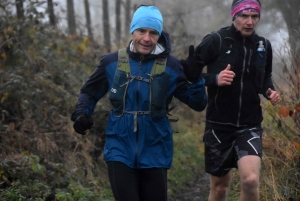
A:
{"x": 113, "y": 90}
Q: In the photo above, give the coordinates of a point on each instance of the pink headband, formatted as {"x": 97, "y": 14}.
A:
{"x": 244, "y": 5}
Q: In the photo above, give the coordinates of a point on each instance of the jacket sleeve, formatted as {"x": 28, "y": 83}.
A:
{"x": 192, "y": 94}
{"x": 92, "y": 91}
{"x": 268, "y": 83}
{"x": 195, "y": 96}
{"x": 209, "y": 49}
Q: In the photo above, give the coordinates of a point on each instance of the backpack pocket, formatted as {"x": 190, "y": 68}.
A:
{"x": 260, "y": 63}
{"x": 159, "y": 87}
{"x": 117, "y": 92}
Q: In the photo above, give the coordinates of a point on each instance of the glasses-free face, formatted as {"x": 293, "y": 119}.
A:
{"x": 246, "y": 23}
{"x": 144, "y": 40}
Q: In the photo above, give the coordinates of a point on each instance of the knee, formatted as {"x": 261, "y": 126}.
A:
{"x": 250, "y": 182}
{"x": 220, "y": 190}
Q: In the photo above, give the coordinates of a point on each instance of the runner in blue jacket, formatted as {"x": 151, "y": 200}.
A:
{"x": 142, "y": 80}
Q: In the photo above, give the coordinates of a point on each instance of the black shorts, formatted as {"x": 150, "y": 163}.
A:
{"x": 224, "y": 148}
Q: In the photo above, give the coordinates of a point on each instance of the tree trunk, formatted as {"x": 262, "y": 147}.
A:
{"x": 51, "y": 14}
{"x": 290, "y": 12}
{"x": 106, "y": 27}
{"x": 118, "y": 22}
{"x": 20, "y": 9}
{"x": 135, "y": 7}
{"x": 71, "y": 17}
{"x": 88, "y": 20}
{"x": 127, "y": 18}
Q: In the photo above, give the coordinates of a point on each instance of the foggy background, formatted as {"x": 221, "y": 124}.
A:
{"x": 187, "y": 21}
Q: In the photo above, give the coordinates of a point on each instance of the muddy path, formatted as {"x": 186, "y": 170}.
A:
{"x": 197, "y": 192}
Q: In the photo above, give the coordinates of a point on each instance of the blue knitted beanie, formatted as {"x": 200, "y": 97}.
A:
{"x": 147, "y": 17}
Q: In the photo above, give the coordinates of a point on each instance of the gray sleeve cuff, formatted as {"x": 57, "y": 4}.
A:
{"x": 216, "y": 80}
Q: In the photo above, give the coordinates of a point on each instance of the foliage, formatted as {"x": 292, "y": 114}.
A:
{"x": 41, "y": 72}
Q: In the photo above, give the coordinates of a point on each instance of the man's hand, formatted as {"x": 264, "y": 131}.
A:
{"x": 226, "y": 76}
{"x": 82, "y": 123}
{"x": 192, "y": 66}
{"x": 273, "y": 96}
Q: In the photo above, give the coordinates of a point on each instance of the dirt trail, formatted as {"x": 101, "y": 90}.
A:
{"x": 198, "y": 192}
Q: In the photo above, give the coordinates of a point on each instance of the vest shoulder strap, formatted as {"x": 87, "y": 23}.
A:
{"x": 159, "y": 66}
{"x": 123, "y": 61}
{"x": 220, "y": 35}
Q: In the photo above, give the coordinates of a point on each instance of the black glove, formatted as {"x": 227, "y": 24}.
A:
{"x": 192, "y": 66}
{"x": 82, "y": 123}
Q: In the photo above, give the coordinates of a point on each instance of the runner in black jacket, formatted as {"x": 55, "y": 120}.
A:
{"x": 238, "y": 70}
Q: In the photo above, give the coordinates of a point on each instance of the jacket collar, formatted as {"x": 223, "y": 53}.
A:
{"x": 157, "y": 50}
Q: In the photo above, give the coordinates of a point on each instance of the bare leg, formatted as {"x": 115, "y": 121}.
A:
{"x": 219, "y": 187}
{"x": 249, "y": 169}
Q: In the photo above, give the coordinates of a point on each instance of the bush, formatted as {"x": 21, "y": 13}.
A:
{"x": 41, "y": 72}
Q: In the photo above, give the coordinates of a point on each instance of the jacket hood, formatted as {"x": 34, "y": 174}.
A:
{"x": 164, "y": 40}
